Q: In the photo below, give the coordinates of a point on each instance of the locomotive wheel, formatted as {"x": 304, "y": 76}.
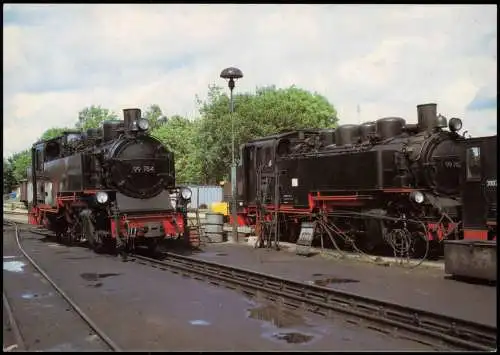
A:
{"x": 374, "y": 237}
{"x": 97, "y": 243}
{"x": 68, "y": 236}
{"x": 94, "y": 239}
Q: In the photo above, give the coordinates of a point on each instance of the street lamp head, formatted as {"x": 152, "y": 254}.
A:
{"x": 231, "y": 73}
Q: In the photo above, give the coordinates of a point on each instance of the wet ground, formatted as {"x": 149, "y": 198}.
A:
{"x": 422, "y": 287}
{"x": 45, "y": 319}
{"x": 142, "y": 308}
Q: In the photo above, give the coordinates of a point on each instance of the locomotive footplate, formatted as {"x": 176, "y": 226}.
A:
{"x": 304, "y": 243}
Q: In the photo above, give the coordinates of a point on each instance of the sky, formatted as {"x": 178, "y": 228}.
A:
{"x": 369, "y": 61}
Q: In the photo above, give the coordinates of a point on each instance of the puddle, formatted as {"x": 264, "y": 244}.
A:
{"x": 212, "y": 254}
{"x": 294, "y": 337}
{"x": 292, "y": 326}
{"x": 95, "y": 276}
{"x": 280, "y": 318}
{"x": 77, "y": 257}
{"x": 9, "y": 257}
{"x": 96, "y": 285}
{"x": 65, "y": 347}
{"x": 199, "y": 322}
{"x": 52, "y": 245}
{"x": 332, "y": 280}
{"x": 13, "y": 266}
{"x": 30, "y": 296}
{"x": 92, "y": 337}
{"x": 329, "y": 280}
{"x": 10, "y": 347}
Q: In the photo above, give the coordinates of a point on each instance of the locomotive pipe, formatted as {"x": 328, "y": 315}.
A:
{"x": 33, "y": 176}
{"x": 427, "y": 117}
{"x": 411, "y": 128}
{"x": 131, "y": 115}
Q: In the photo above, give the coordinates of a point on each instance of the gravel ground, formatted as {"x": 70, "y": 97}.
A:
{"x": 142, "y": 308}
{"x": 424, "y": 288}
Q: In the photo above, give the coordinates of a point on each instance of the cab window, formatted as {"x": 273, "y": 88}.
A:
{"x": 52, "y": 151}
{"x": 473, "y": 162}
{"x": 39, "y": 158}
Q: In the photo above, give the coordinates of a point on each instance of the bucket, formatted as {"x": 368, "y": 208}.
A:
{"x": 212, "y": 227}
{"x": 214, "y": 237}
{"x": 214, "y": 218}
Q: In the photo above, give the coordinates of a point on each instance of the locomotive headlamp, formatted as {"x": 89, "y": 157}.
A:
{"x": 186, "y": 193}
{"x": 455, "y": 124}
{"x": 417, "y": 196}
{"x": 101, "y": 197}
{"x": 143, "y": 124}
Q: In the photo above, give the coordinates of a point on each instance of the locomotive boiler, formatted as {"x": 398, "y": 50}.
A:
{"x": 386, "y": 182}
{"x": 111, "y": 186}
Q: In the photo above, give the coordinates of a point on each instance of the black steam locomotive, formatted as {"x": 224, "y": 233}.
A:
{"x": 379, "y": 183}
{"x": 111, "y": 186}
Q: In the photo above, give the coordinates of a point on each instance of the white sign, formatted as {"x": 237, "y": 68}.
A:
{"x": 295, "y": 182}
{"x": 491, "y": 183}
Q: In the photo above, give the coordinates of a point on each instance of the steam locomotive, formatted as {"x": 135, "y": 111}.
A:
{"x": 113, "y": 187}
{"x": 378, "y": 184}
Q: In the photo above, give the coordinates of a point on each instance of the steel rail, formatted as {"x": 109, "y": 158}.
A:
{"x": 325, "y": 301}
{"x": 20, "y": 345}
{"x": 322, "y": 300}
{"x": 107, "y": 340}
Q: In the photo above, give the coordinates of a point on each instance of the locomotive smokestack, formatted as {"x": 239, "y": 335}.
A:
{"x": 427, "y": 117}
{"x": 130, "y": 115}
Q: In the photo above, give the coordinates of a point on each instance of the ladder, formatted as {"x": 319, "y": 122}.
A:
{"x": 195, "y": 237}
{"x": 268, "y": 230}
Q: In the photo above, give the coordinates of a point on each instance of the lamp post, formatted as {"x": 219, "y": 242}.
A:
{"x": 231, "y": 74}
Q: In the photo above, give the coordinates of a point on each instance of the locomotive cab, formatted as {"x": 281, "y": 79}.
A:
{"x": 476, "y": 255}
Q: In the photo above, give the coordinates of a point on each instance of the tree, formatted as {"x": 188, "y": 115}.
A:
{"x": 8, "y": 177}
{"x": 268, "y": 111}
{"x": 53, "y": 132}
{"x": 93, "y": 116}
{"x": 19, "y": 162}
{"x": 155, "y": 116}
{"x": 179, "y": 135}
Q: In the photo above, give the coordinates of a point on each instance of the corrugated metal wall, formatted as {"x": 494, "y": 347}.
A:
{"x": 204, "y": 195}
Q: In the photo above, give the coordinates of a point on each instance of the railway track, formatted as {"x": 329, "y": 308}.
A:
{"x": 388, "y": 317}
{"x": 14, "y": 325}
{"x": 396, "y": 319}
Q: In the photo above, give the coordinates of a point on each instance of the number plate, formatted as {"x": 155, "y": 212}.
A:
{"x": 305, "y": 238}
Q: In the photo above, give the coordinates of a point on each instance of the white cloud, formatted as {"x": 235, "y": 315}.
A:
{"x": 387, "y": 59}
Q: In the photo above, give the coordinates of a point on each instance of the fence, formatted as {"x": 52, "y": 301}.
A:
{"x": 204, "y": 195}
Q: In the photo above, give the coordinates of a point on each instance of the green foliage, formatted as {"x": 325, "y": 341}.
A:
{"x": 155, "y": 116}
{"x": 93, "y": 116}
{"x": 203, "y": 147}
{"x": 268, "y": 111}
{"x": 8, "y": 177}
{"x": 179, "y": 135}
{"x": 53, "y": 132}
{"x": 19, "y": 162}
